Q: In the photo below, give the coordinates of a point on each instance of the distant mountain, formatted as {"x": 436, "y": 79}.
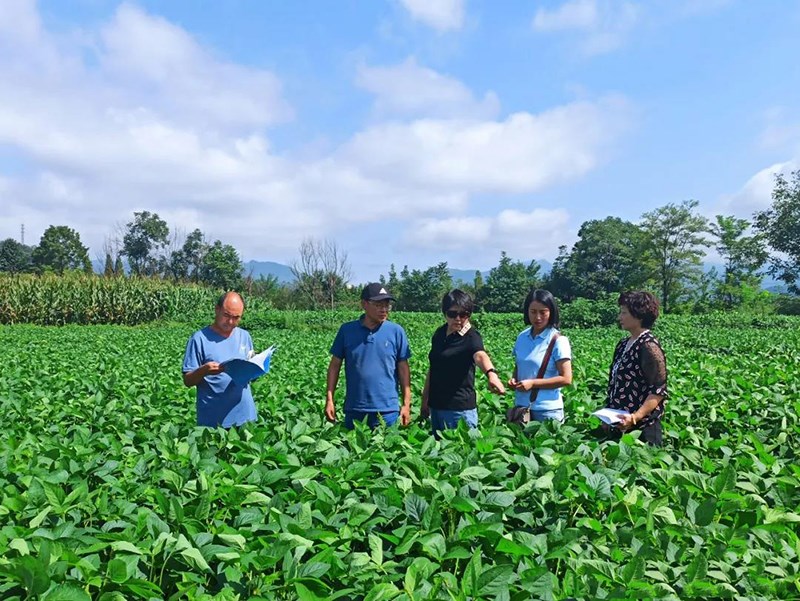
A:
{"x": 267, "y": 268}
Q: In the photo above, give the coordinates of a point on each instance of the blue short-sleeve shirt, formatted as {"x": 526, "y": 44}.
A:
{"x": 220, "y": 401}
{"x": 529, "y": 353}
{"x": 370, "y": 364}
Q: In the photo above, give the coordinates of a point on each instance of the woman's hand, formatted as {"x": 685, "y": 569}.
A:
{"x": 522, "y": 385}
{"x": 627, "y": 422}
{"x": 425, "y": 411}
{"x": 495, "y": 384}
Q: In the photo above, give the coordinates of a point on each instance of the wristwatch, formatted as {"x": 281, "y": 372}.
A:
{"x": 489, "y": 371}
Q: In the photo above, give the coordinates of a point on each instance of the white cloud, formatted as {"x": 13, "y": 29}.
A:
{"x": 146, "y": 52}
{"x": 104, "y": 127}
{"x": 411, "y": 90}
{"x": 442, "y": 15}
{"x": 521, "y": 153}
{"x": 536, "y": 233}
{"x": 756, "y": 194}
{"x": 602, "y": 24}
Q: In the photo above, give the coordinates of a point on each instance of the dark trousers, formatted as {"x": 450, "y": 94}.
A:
{"x": 652, "y": 433}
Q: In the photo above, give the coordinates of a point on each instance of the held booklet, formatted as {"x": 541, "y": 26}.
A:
{"x": 610, "y": 416}
{"x": 244, "y": 371}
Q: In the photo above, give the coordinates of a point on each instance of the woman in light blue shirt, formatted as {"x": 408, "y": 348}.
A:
{"x": 541, "y": 395}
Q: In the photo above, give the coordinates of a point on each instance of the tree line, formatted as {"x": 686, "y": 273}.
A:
{"x": 662, "y": 252}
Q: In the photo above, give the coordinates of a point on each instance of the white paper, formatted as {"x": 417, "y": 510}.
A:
{"x": 610, "y": 416}
{"x": 244, "y": 371}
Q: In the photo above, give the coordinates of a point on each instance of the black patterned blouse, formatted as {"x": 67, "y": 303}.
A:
{"x": 636, "y": 373}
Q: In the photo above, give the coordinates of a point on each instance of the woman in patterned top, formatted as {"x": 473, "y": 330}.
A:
{"x": 637, "y": 381}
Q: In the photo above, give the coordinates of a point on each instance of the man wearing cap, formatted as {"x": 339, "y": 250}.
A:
{"x": 375, "y": 353}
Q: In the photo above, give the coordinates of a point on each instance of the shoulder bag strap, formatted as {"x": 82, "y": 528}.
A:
{"x": 543, "y": 367}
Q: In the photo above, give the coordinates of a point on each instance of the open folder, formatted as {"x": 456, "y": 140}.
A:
{"x": 610, "y": 416}
{"x": 244, "y": 371}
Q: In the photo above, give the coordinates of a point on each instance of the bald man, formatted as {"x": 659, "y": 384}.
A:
{"x": 220, "y": 401}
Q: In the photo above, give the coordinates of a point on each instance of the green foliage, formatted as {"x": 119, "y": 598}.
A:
{"x": 419, "y": 290}
{"x": 15, "y": 257}
{"x": 607, "y": 258}
{"x": 110, "y": 492}
{"x": 108, "y": 270}
{"x": 186, "y": 264}
{"x": 145, "y": 239}
{"x": 587, "y": 313}
{"x": 507, "y": 285}
{"x": 674, "y": 244}
{"x": 744, "y": 257}
{"x": 221, "y": 267}
{"x": 82, "y": 299}
{"x": 780, "y": 224}
{"x": 60, "y": 249}
{"x": 787, "y": 304}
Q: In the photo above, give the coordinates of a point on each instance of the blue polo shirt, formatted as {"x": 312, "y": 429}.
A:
{"x": 370, "y": 364}
{"x": 220, "y": 401}
{"x": 529, "y": 353}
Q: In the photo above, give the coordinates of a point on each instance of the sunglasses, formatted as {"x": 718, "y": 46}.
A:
{"x": 454, "y": 314}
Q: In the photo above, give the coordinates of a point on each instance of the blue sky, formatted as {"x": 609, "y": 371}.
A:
{"x": 409, "y": 131}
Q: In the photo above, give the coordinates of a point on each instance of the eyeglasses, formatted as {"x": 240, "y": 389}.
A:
{"x": 382, "y": 304}
{"x": 454, "y": 314}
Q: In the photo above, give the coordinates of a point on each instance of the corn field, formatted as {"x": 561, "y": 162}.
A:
{"x": 82, "y": 299}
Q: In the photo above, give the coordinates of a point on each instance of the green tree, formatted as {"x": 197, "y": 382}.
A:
{"x": 743, "y": 257}
{"x": 119, "y": 269}
{"x": 419, "y": 290}
{"x": 187, "y": 262}
{"x": 15, "y": 257}
{"x": 477, "y": 282}
{"x": 60, "y": 249}
{"x": 675, "y": 244}
{"x": 392, "y": 282}
{"x": 607, "y": 258}
{"x": 146, "y": 236}
{"x": 222, "y": 267}
{"x": 508, "y": 284}
{"x": 780, "y": 225}
{"x": 108, "y": 270}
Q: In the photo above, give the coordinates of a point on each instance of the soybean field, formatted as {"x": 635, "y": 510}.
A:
{"x": 109, "y": 491}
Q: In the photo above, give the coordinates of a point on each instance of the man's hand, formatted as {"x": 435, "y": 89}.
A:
{"x": 330, "y": 411}
{"x": 405, "y": 415}
{"x": 212, "y": 368}
{"x": 193, "y": 378}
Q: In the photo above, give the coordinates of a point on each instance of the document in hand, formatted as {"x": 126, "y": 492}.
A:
{"x": 610, "y": 416}
{"x": 244, "y": 371}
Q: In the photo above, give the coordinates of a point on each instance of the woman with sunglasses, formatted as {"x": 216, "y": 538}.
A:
{"x": 456, "y": 348}
{"x": 541, "y": 394}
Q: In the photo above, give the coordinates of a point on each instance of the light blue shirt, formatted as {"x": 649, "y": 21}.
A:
{"x": 529, "y": 353}
{"x": 220, "y": 401}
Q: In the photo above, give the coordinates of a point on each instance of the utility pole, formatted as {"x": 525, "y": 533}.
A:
{"x": 22, "y": 234}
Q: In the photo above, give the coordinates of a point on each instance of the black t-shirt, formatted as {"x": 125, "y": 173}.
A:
{"x": 452, "y": 383}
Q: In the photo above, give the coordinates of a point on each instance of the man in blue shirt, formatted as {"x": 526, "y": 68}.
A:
{"x": 375, "y": 354}
{"x": 220, "y": 401}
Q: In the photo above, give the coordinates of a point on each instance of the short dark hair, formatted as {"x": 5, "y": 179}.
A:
{"x": 642, "y": 305}
{"x": 221, "y": 299}
{"x": 546, "y": 298}
{"x": 457, "y": 298}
